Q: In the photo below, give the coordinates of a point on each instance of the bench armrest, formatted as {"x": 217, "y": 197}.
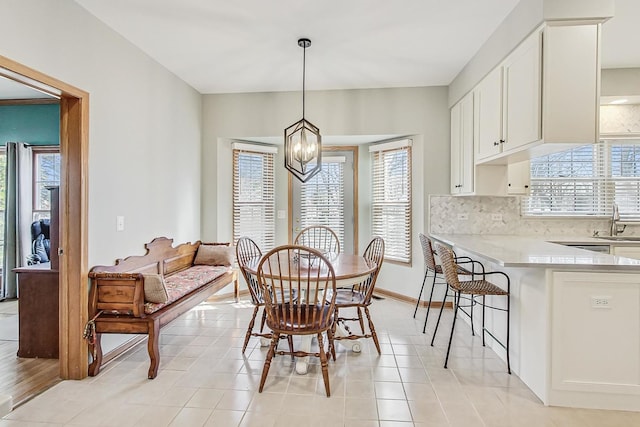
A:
{"x": 121, "y": 293}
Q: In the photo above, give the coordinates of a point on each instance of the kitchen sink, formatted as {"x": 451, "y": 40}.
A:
{"x": 620, "y": 238}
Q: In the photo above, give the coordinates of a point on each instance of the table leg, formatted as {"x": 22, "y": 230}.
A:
{"x": 302, "y": 363}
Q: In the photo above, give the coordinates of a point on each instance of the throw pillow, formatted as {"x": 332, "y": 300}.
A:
{"x": 215, "y": 255}
{"x": 39, "y": 249}
{"x": 155, "y": 289}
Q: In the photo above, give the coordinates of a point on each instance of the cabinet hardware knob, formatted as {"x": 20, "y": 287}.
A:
{"x": 502, "y": 141}
{"x": 495, "y": 143}
{"x": 526, "y": 186}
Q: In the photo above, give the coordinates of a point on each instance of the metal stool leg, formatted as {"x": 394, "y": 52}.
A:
{"x": 426, "y": 273}
{"x": 446, "y": 294}
{"x": 453, "y": 326}
{"x": 433, "y": 285}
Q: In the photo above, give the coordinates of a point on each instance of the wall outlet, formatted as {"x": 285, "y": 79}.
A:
{"x": 119, "y": 223}
{"x": 600, "y": 302}
{"x": 463, "y": 217}
{"x": 496, "y": 217}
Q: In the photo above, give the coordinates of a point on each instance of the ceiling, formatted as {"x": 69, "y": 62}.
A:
{"x": 220, "y": 46}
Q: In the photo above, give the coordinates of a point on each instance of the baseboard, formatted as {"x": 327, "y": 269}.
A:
{"x": 412, "y": 301}
{"x": 228, "y": 295}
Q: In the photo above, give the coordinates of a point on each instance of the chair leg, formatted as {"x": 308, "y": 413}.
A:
{"x": 250, "y": 328}
{"x": 360, "y": 320}
{"x": 374, "y": 335}
{"x": 473, "y": 332}
{"x": 267, "y": 362}
{"x": 332, "y": 344}
{"x": 483, "y": 307}
{"x": 426, "y": 273}
{"x": 325, "y": 365}
{"x": 453, "y": 326}
{"x": 444, "y": 300}
{"x": 433, "y": 285}
{"x": 290, "y": 341}
{"x": 508, "y": 321}
{"x": 264, "y": 319}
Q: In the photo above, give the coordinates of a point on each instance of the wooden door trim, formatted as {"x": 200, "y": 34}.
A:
{"x": 354, "y": 149}
{"x": 74, "y": 145}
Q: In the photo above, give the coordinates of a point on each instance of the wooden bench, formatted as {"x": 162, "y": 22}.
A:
{"x": 117, "y": 302}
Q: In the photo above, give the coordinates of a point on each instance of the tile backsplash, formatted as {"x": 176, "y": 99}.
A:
{"x": 501, "y": 215}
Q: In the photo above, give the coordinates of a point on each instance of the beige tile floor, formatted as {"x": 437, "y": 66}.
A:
{"x": 204, "y": 380}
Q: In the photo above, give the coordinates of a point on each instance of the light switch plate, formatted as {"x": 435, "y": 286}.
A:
{"x": 120, "y": 223}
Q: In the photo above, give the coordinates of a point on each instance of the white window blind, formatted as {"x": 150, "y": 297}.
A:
{"x": 254, "y": 195}
{"x": 46, "y": 172}
{"x": 391, "y": 198}
{"x": 322, "y": 197}
{"x": 586, "y": 181}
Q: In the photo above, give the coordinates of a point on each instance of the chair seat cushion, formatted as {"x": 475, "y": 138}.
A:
{"x": 300, "y": 319}
{"x": 185, "y": 281}
{"x": 480, "y": 287}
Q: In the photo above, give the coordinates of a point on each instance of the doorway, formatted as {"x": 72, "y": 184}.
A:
{"x": 330, "y": 198}
{"x": 73, "y": 287}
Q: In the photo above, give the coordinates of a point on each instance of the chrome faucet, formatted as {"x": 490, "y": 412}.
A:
{"x": 615, "y": 217}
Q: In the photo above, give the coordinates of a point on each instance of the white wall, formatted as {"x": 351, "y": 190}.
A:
{"x": 144, "y": 131}
{"x": 419, "y": 112}
{"x": 620, "y": 82}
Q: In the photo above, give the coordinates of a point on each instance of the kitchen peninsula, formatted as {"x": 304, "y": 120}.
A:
{"x": 575, "y": 322}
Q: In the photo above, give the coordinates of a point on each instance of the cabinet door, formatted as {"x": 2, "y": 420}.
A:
{"x": 522, "y": 94}
{"x": 519, "y": 176}
{"x": 626, "y": 251}
{"x": 488, "y": 118}
{"x": 456, "y": 148}
{"x": 462, "y": 146}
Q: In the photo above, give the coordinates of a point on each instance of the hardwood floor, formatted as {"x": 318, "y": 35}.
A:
{"x": 21, "y": 378}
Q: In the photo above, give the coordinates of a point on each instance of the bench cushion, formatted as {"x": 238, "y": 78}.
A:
{"x": 185, "y": 281}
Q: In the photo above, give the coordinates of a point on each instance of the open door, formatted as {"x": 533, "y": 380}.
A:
{"x": 74, "y": 144}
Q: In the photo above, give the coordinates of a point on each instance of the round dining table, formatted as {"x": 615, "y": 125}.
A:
{"x": 349, "y": 270}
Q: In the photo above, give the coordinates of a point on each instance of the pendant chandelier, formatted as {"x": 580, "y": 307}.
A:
{"x": 302, "y": 140}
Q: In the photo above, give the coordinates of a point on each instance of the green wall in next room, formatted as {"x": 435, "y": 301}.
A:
{"x": 37, "y": 124}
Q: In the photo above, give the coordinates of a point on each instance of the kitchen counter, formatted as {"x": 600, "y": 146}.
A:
{"x": 541, "y": 252}
{"x": 575, "y": 316}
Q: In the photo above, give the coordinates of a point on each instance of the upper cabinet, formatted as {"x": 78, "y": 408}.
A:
{"x": 542, "y": 98}
{"x": 462, "y": 129}
{"x": 488, "y": 115}
{"x": 521, "y": 96}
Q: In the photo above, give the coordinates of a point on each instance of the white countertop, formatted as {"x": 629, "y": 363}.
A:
{"x": 538, "y": 251}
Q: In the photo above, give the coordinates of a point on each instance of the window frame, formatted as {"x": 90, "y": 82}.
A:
{"x": 400, "y": 253}
{"x": 268, "y": 153}
{"x": 35, "y": 152}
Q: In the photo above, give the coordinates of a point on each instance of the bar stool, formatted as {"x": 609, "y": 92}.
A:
{"x": 432, "y": 267}
{"x": 474, "y": 288}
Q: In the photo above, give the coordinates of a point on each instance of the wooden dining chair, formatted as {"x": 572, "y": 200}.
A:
{"x": 247, "y": 249}
{"x": 359, "y": 296}
{"x": 319, "y": 237}
{"x": 284, "y": 271}
{"x": 475, "y": 288}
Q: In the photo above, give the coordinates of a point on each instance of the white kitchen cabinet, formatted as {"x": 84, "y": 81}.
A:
{"x": 518, "y": 177}
{"x": 462, "y": 167}
{"x": 626, "y": 251}
{"x": 548, "y": 92}
{"x": 522, "y": 94}
{"x": 488, "y": 115}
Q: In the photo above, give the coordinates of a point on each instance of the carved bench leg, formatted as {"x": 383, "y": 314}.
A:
{"x": 154, "y": 348}
{"x": 96, "y": 352}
